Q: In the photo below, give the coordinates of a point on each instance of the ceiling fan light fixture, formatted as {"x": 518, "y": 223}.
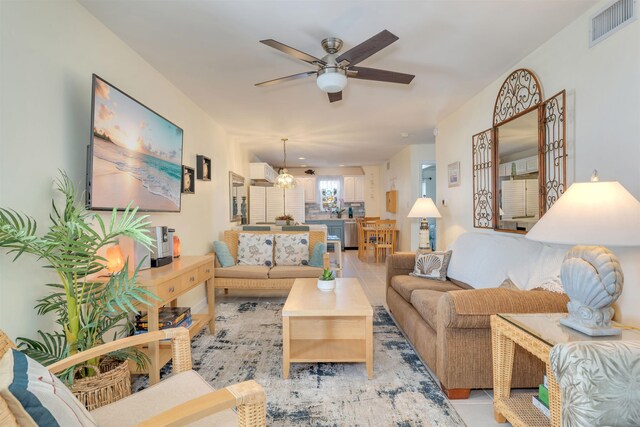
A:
{"x": 331, "y": 79}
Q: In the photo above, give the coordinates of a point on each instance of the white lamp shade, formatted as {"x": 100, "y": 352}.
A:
{"x": 424, "y": 208}
{"x": 591, "y": 213}
{"x": 284, "y": 180}
{"x": 331, "y": 81}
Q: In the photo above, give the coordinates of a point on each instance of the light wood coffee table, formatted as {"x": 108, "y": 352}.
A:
{"x": 332, "y": 326}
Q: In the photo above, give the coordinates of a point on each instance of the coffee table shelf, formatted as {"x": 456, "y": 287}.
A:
{"x": 315, "y": 350}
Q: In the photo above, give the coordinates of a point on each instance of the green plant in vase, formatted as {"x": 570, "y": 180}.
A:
{"x": 86, "y": 308}
{"x": 327, "y": 281}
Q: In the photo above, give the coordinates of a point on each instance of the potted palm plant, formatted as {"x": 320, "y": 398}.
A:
{"x": 86, "y": 307}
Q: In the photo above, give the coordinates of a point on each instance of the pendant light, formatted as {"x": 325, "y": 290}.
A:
{"x": 284, "y": 180}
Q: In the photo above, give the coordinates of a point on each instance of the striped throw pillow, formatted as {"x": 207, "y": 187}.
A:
{"x": 36, "y": 397}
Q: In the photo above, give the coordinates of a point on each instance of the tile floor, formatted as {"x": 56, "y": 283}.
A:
{"x": 477, "y": 411}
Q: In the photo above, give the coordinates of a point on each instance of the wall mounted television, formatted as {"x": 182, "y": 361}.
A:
{"x": 135, "y": 154}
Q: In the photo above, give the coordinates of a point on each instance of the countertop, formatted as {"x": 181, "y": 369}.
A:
{"x": 331, "y": 219}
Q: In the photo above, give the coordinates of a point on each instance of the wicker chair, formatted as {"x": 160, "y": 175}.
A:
{"x": 182, "y": 399}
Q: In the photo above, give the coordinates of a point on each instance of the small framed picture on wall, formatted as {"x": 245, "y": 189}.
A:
{"x": 453, "y": 173}
{"x": 188, "y": 180}
{"x": 203, "y": 168}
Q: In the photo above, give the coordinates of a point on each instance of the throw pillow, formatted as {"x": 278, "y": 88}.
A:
{"x": 222, "y": 253}
{"x": 292, "y": 249}
{"x": 432, "y": 265}
{"x": 34, "y": 395}
{"x": 551, "y": 285}
{"x": 255, "y": 249}
{"x": 317, "y": 254}
{"x": 508, "y": 284}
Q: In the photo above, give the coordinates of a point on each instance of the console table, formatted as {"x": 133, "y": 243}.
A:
{"x": 168, "y": 283}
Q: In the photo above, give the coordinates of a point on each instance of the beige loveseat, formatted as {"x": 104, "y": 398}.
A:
{"x": 448, "y": 321}
{"x": 263, "y": 277}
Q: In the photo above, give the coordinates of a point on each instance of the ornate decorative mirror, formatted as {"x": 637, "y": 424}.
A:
{"x": 237, "y": 197}
{"x": 519, "y": 165}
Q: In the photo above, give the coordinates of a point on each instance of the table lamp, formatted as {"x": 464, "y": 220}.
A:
{"x": 115, "y": 260}
{"x": 591, "y": 213}
{"x": 424, "y": 208}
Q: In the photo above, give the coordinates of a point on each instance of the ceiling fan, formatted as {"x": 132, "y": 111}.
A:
{"x": 333, "y": 69}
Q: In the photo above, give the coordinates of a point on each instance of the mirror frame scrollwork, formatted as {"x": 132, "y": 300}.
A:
{"x": 520, "y": 94}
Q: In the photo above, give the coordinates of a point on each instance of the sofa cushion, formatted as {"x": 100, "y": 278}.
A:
{"x": 292, "y": 249}
{"x": 170, "y": 392}
{"x": 255, "y": 249}
{"x": 484, "y": 260}
{"x": 432, "y": 265}
{"x": 405, "y": 285}
{"x": 294, "y": 272}
{"x": 317, "y": 256}
{"x": 222, "y": 253}
{"x": 426, "y": 304}
{"x": 243, "y": 272}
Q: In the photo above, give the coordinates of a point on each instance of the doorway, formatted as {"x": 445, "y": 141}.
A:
{"x": 428, "y": 189}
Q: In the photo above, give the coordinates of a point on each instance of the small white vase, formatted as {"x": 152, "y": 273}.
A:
{"x": 326, "y": 285}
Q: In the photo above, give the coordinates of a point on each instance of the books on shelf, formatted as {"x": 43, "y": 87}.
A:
{"x": 186, "y": 322}
{"x": 540, "y": 406}
{"x": 541, "y": 400}
{"x": 168, "y": 317}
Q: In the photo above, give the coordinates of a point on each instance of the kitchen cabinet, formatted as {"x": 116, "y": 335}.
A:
{"x": 353, "y": 188}
{"x": 392, "y": 201}
{"x": 519, "y": 198}
{"x": 309, "y": 186}
{"x": 522, "y": 166}
{"x": 335, "y": 227}
{"x": 262, "y": 172}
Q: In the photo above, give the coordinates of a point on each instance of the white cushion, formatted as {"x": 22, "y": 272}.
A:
{"x": 485, "y": 260}
{"x": 158, "y": 398}
{"x": 255, "y": 249}
{"x": 37, "y": 397}
{"x": 292, "y": 249}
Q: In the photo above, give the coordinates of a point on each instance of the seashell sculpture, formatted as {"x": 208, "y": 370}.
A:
{"x": 592, "y": 278}
{"x": 427, "y": 264}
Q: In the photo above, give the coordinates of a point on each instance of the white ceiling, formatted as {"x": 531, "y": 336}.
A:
{"x": 210, "y": 50}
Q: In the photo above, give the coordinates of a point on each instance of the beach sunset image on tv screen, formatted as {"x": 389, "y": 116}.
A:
{"x": 136, "y": 154}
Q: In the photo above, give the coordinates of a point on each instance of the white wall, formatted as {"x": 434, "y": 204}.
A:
{"x": 49, "y": 51}
{"x": 603, "y": 127}
{"x": 372, "y": 190}
{"x": 403, "y": 175}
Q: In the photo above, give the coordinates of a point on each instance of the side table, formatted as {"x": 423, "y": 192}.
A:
{"x": 536, "y": 333}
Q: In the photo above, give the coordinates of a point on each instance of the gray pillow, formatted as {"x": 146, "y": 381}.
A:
{"x": 432, "y": 265}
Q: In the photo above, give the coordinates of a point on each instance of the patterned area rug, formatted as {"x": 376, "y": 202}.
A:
{"x": 248, "y": 345}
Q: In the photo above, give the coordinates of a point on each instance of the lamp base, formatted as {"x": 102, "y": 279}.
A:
{"x": 598, "y": 331}
{"x": 593, "y": 280}
{"x": 423, "y": 237}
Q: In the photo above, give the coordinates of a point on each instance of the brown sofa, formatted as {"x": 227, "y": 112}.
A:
{"x": 448, "y": 324}
{"x": 263, "y": 277}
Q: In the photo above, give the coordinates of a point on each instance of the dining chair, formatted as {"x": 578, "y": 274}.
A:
{"x": 385, "y": 238}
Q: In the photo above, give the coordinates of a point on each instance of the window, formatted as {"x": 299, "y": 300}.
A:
{"x": 329, "y": 192}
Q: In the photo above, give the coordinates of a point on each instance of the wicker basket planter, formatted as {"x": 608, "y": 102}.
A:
{"x": 112, "y": 382}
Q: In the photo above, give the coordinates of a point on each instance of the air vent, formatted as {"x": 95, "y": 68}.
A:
{"x": 611, "y": 19}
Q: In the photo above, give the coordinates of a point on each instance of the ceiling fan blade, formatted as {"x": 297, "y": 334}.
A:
{"x": 333, "y": 97}
{"x": 367, "y": 48}
{"x": 365, "y": 73}
{"x": 286, "y": 79}
{"x": 293, "y": 52}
